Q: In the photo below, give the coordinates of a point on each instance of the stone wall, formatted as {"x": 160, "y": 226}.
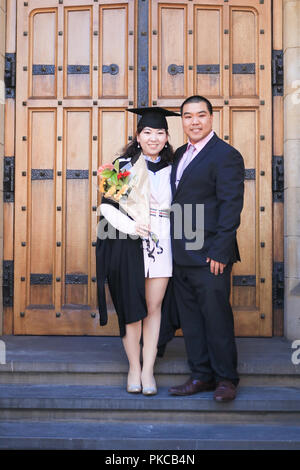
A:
{"x": 291, "y": 47}
{"x": 2, "y": 104}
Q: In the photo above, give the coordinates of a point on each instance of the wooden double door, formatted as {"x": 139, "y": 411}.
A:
{"x": 80, "y": 65}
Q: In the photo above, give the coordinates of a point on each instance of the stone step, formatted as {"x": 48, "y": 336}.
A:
{"x": 102, "y": 361}
{"x": 116, "y": 375}
{"x": 106, "y": 404}
{"x": 151, "y": 436}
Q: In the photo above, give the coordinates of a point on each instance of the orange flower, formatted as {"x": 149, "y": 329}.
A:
{"x": 111, "y": 191}
{"x": 102, "y": 183}
{"x": 120, "y": 193}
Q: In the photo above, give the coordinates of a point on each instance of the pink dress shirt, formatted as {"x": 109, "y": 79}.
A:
{"x": 198, "y": 147}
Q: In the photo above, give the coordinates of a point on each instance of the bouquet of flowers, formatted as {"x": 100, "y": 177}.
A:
{"x": 113, "y": 182}
{"x": 132, "y": 192}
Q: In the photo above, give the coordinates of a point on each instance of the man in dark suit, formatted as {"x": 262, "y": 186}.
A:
{"x": 210, "y": 172}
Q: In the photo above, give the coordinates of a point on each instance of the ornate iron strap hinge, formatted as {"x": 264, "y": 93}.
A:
{"x": 243, "y": 69}
{"x": 10, "y": 75}
{"x": 9, "y": 179}
{"x": 43, "y": 69}
{"x": 250, "y": 174}
{"x": 8, "y": 283}
{"x": 278, "y": 179}
{"x": 40, "y": 279}
{"x": 278, "y": 284}
{"x": 246, "y": 281}
{"x": 76, "y": 279}
{"x": 277, "y": 72}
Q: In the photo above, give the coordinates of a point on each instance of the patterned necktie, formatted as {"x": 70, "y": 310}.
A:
{"x": 184, "y": 162}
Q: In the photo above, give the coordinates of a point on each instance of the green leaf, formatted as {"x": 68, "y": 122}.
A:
{"x": 114, "y": 178}
{"x": 107, "y": 173}
{"x": 117, "y": 165}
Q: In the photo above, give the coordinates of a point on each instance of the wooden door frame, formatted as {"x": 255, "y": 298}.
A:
{"x": 278, "y": 142}
{"x": 9, "y": 151}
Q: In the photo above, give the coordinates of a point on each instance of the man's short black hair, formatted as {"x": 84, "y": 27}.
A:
{"x": 197, "y": 99}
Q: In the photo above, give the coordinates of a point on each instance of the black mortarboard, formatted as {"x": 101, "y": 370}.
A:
{"x": 153, "y": 117}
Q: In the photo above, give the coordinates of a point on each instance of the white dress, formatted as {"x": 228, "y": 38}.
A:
{"x": 159, "y": 263}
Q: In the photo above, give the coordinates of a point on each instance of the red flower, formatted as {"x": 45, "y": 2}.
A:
{"x": 123, "y": 175}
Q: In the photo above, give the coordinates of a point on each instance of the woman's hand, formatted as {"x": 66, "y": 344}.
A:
{"x": 142, "y": 230}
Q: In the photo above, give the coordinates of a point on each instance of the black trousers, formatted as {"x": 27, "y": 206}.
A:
{"x": 206, "y": 320}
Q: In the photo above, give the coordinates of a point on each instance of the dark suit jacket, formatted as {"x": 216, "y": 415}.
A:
{"x": 215, "y": 178}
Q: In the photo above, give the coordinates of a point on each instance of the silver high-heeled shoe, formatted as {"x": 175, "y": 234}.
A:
{"x": 149, "y": 390}
{"x": 134, "y": 388}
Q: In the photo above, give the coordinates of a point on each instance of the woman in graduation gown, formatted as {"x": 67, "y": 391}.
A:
{"x": 138, "y": 276}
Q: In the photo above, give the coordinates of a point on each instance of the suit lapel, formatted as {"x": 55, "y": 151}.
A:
{"x": 196, "y": 160}
{"x": 175, "y": 166}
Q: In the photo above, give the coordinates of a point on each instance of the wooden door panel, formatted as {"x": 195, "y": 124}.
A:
{"x": 244, "y": 138}
{"x": 244, "y": 128}
{"x": 176, "y": 134}
{"x": 78, "y": 47}
{"x": 243, "y": 53}
{"x": 42, "y": 30}
{"x": 76, "y": 207}
{"x": 40, "y": 236}
{"x": 218, "y": 121}
{"x": 113, "y": 55}
{"x": 208, "y": 69}
{"x": 111, "y": 143}
{"x": 172, "y": 23}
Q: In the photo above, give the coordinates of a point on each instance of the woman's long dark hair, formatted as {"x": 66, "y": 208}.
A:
{"x": 132, "y": 150}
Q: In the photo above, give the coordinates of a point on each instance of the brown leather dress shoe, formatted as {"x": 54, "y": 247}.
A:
{"x": 225, "y": 391}
{"x": 192, "y": 386}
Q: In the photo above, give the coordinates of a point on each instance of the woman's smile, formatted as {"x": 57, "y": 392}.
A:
{"x": 152, "y": 141}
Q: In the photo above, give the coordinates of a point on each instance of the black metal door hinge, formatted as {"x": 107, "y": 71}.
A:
{"x": 244, "y": 280}
{"x": 9, "y": 179}
{"x": 10, "y": 75}
{"x": 278, "y": 284}
{"x": 8, "y": 283}
{"x": 277, "y": 73}
{"x": 278, "y": 179}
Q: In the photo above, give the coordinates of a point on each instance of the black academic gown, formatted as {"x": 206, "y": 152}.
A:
{"x": 120, "y": 263}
